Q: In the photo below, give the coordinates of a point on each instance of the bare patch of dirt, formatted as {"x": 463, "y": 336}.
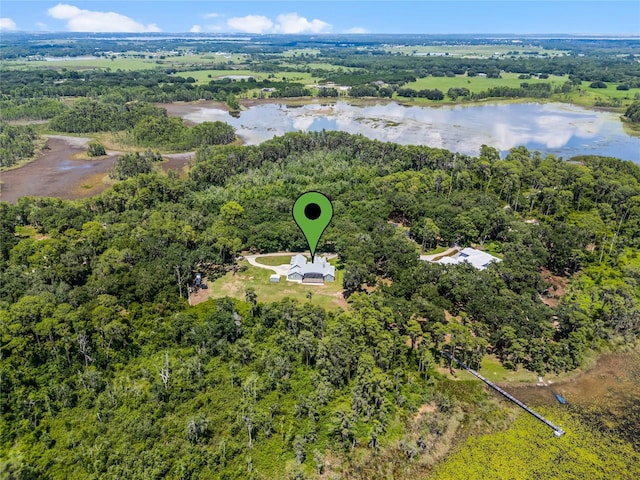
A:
{"x": 425, "y": 408}
{"x": 341, "y": 301}
{"x": 176, "y": 162}
{"x": 201, "y": 295}
{"x": 556, "y": 291}
{"x": 55, "y": 173}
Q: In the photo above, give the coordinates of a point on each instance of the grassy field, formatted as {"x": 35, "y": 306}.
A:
{"x": 127, "y": 63}
{"x": 274, "y": 261}
{"x": 433, "y": 251}
{"x": 328, "y": 296}
{"x": 478, "y": 84}
{"x": 590, "y": 94}
{"x": 317, "y": 65}
{"x": 586, "y": 97}
{"x": 470, "y": 50}
{"x": 205, "y": 76}
{"x": 492, "y": 369}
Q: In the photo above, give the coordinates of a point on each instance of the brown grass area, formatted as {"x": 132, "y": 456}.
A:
{"x": 91, "y": 185}
{"x": 424, "y": 409}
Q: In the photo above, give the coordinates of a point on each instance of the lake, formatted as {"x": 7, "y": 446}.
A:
{"x": 551, "y": 128}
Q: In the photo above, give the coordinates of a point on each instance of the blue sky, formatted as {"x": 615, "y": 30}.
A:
{"x": 303, "y": 16}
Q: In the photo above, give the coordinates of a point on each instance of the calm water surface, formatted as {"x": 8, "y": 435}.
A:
{"x": 561, "y": 129}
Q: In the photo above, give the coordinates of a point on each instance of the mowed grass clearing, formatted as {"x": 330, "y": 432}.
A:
{"x": 275, "y": 260}
{"x": 492, "y": 369}
{"x": 478, "y": 84}
{"x": 205, "y": 76}
{"x": 234, "y": 285}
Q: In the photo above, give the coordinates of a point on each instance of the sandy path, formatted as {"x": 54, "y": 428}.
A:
{"x": 429, "y": 258}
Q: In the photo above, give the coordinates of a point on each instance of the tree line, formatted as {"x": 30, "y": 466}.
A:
{"x": 17, "y": 142}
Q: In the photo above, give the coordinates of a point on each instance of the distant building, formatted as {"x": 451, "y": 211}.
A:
{"x": 477, "y": 258}
{"x": 301, "y": 270}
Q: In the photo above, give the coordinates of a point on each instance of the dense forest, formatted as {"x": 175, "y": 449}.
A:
{"x": 107, "y": 372}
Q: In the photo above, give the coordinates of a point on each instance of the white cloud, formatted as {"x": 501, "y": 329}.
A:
{"x": 7, "y": 24}
{"x": 356, "y": 30}
{"x": 80, "y": 20}
{"x": 294, "y": 23}
{"x": 211, "y": 15}
{"x": 42, "y": 25}
{"x": 285, "y": 23}
{"x": 196, "y": 29}
{"x": 250, "y": 24}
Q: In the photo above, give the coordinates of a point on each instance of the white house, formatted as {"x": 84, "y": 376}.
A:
{"x": 301, "y": 270}
{"x": 477, "y": 258}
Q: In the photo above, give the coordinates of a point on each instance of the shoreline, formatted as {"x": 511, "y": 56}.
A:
{"x": 368, "y": 101}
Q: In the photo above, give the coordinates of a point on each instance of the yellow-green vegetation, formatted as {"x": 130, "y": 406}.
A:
{"x": 235, "y": 285}
{"x": 528, "y": 450}
{"x": 26, "y": 231}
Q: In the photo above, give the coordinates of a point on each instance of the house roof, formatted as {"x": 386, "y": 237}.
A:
{"x": 477, "y": 258}
{"x": 299, "y": 264}
{"x": 298, "y": 259}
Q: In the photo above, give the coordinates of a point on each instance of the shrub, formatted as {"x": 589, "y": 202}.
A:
{"x": 96, "y": 149}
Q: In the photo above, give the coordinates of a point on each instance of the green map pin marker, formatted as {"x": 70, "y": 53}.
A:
{"x": 312, "y": 212}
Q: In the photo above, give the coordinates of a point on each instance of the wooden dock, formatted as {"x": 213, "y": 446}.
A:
{"x": 557, "y": 431}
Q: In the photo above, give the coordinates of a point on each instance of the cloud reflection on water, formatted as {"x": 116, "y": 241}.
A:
{"x": 564, "y": 130}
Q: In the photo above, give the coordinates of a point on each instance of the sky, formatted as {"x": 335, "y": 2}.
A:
{"x": 315, "y": 17}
